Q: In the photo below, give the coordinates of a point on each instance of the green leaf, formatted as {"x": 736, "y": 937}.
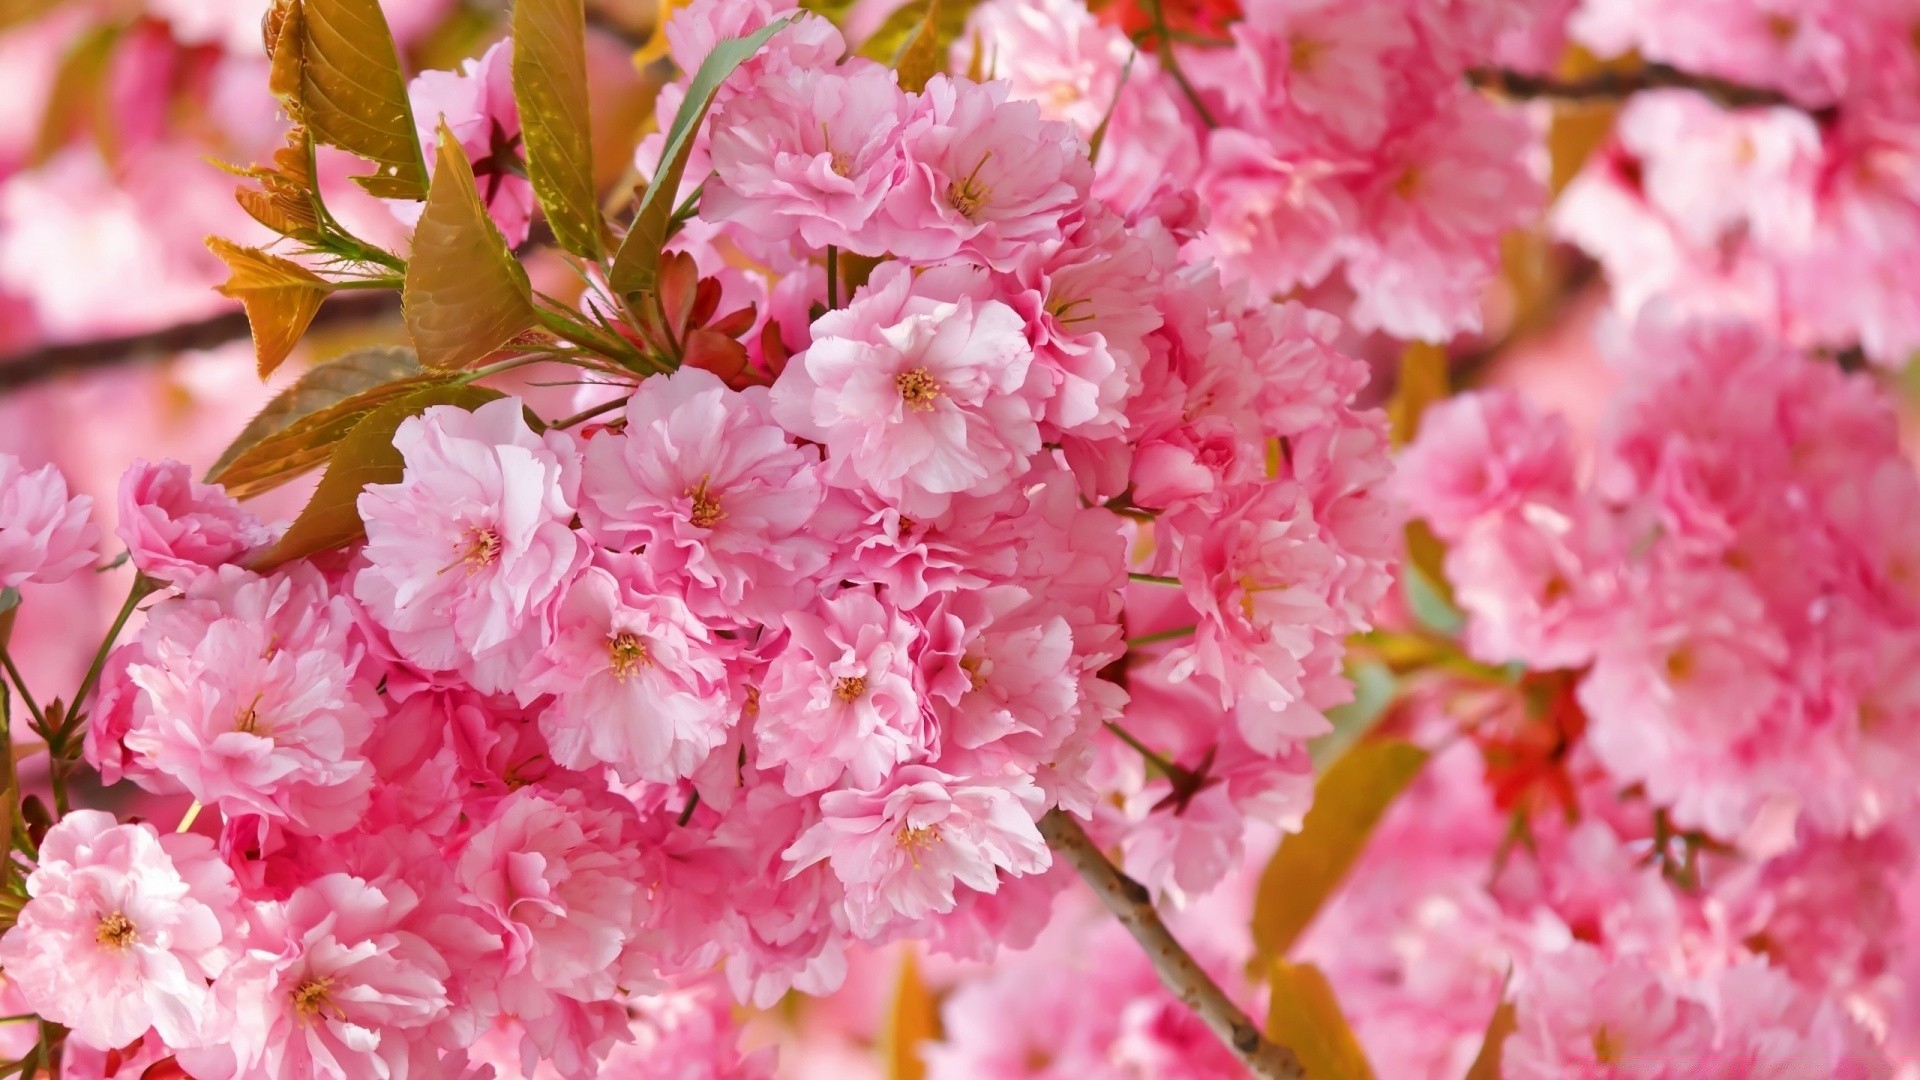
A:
{"x": 912, "y": 1021}
{"x": 466, "y": 295}
{"x": 1099, "y": 136}
{"x": 1348, "y": 802}
{"x": 281, "y": 298}
{"x": 1423, "y": 381}
{"x": 299, "y": 427}
{"x": 9, "y": 785}
{"x": 639, "y": 255}
{"x": 923, "y": 55}
{"x": 351, "y": 91}
{"x": 550, "y": 85}
{"x": 835, "y": 11}
{"x": 1486, "y": 1064}
{"x": 366, "y": 456}
{"x": 1424, "y": 579}
{"x": 890, "y": 43}
{"x": 9, "y": 599}
{"x": 1304, "y": 1016}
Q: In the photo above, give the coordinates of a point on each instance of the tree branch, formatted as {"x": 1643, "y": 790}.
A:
{"x": 1616, "y": 85}
{"x": 1133, "y": 906}
{"x": 34, "y": 365}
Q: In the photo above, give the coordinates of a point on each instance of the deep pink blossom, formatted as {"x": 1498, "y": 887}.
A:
{"x": 176, "y": 528}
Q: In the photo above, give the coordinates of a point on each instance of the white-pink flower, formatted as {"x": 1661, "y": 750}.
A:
{"x": 918, "y": 389}
{"x": 176, "y": 528}
{"x": 900, "y": 851}
{"x": 841, "y": 697}
{"x": 468, "y": 554}
{"x": 638, "y": 683}
{"x": 123, "y": 930}
{"x": 716, "y": 496}
{"x": 45, "y": 533}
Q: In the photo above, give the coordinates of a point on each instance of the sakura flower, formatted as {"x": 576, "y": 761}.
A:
{"x": 123, "y": 930}
{"x": 811, "y": 153}
{"x": 916, "y": 388}
{"x": 177, "y": 528}
{"x": 1320, "y": 63}
{"x": 714, "y": 492}
{"x": 332, "y": 984}
{"x": 901, "y": 850}
{"x": 1581, "y": 1013}
{"x": 477, "y": 105}
{"x": 1483, "y": 453}
{"x": 842, "y": 696}
{"x": 985, "y": 176}
{"x": 1000, "y": 669}
{"x": 468, "y": 554}
{"x": 45, "y": 534}
{"x": 245, "y": 694}
{"x": 638, "y": 683}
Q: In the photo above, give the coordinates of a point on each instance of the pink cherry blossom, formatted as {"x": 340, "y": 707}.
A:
{"x": 45, "y": 533}
{"x": 177, "y": 528}
{"x": 476, "y": 103}
{"x": 901, "y": 850}
{"x": 917, "y": 389}
{"x": 714, "y": 493}
{"x": 1581, "y": 1014}
{"x": 469, "y": 553}
{"x": 638, "y": 683}
{"x": 843, "y": 697}
{"x": 123, "y": 930}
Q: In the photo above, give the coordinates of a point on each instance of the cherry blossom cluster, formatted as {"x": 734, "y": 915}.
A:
{"x": 1326, "y": 146}
{"x": 1800, "y": 216}
{"x": 784, "y": 655}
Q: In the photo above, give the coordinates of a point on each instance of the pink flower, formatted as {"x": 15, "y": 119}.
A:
{"x": 841, "y": 697}
{"x": 1483, "y": 453}
{"x": 1320, "y": 63}
{"x": 713, "y": 492}
{"x": 984, "y": 178}
{"x": 248, "y": 698}
{"x": 550, "y": 871}
{"x": 810, "y": 42}
{"x": 469, "y": 553}
{"x": 638, "y": 683}
{"x": 811, "y": 153}
{"x": 332, "y": 984}
{"x": 901, "y": 850}
{"x": 1276, "y": 218}
{"x": 1001, "y": 670}
{"x": 176, "y": 528}
{"x": 916, "y": 389}
{"x": 123, "y": 931}
{"x": 1584, "y": 1014}
{"x": 477, "y": 105}
{"x": 45, "y": 534}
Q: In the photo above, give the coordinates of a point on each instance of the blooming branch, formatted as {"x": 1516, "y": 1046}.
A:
{"x": 1133, "y": 906}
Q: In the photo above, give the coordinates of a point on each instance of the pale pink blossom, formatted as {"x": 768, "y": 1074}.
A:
{"x": 842, "y": 697}
{"x": 469, "y": 553}
{"x": 176, "y": 528}
{"x": 1322, "y": 64}
{"x": 900, "y": 851}
{"x": 1480, "y": 454}
{"x": 638, "y": 683}
{"x": 1581, "y": 1013}
{"x": 46, "y": 534}
{"x": 476, "y": 103}
{"x": 123, "y": 929}
{"x": 917, "y": 389}
{"x": 713, "y": 492}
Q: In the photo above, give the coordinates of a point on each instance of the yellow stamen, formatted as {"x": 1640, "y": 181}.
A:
{"x": 115, "y": 931}
{"x": 918, "y": 388}
{"x": 849, "y": 688}
{"x": 916, "y": 839}
{"x": 625, "y": 652}
{"x": 706, "y": 506}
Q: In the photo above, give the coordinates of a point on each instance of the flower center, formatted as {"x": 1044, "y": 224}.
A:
{"x": 115, "y": 931}
{"x": 248, "y": 722}
{"x": 1679, "y": 665}
{"x": 973, "y": 666}
{"x": 1303, "y": 54}
{"x": 1608, "y": 1048}
{"x": 626, "y": 651}
{"x": 477, "y": 549}
{"x": 841, "y": 162}
{"x": 918, "y": 388}
{"x": 706, "y": 506}
{"x": 311, "y": 996}
{"x": 914, "y": 839}
{"x": 849, "y": 688}
{"x": 968, "y": 194}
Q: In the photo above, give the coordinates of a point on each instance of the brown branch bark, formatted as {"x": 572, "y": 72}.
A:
{"x": 1616, "y": 85}
{"x": 50, "y": 361}
{"x": 1133, "y": 906}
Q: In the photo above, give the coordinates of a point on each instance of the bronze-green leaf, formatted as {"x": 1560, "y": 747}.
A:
{"x": 639, "y": 255}
{"x": 1423, "y": 381}
{"x": 280, "y": 297}
{"x": 923, "y": 55}
{"x": 352, "y": 93}
{"x": 1304, "y": 1016}
{"x": 299, "y": 427}
{"x": 366, "y": 456}
{"x": 890, "y": 43}
{"x": 1348, "y": 802}
{"x": 836, "y": 11}
{"x": 912, "y": 1021}
{"x": 1486, "y": 1064}
{"x": 466, "y": 295}
{"x": 550, "y": 85}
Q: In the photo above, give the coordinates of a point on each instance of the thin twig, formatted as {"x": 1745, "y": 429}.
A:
{"x": 1616, "y": 85}
{"x": 1173, "y": 65}
{"x": 1179, "y": 972}
{"x": 23, "y": 369}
